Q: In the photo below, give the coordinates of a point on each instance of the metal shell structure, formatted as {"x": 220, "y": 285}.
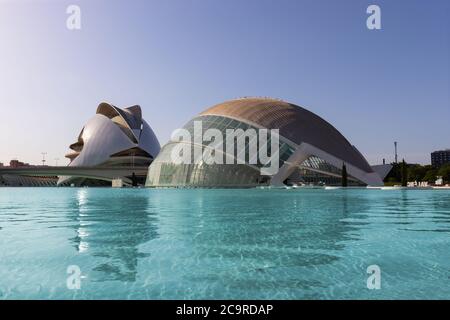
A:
{"x": 113, "y": 137}
{"x": 311, "y": 150}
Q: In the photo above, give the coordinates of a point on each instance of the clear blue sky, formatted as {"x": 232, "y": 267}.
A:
{"x": 176, "y": 58}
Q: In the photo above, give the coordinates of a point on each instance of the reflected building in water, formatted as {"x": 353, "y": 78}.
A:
{"x": 112, "y": 233}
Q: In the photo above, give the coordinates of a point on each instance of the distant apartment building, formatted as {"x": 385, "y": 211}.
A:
{"x": 439, "y": 158}
{"x": 18, "y": 164}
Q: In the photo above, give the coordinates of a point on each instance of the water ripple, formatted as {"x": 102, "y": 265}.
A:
{"x": 222, "y": 244}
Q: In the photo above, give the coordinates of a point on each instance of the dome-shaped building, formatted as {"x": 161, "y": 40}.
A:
{"x": 310, "y": 150}
{"x": 114, "y": 137}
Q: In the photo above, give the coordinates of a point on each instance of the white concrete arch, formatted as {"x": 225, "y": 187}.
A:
{"x": 305, "y": 150}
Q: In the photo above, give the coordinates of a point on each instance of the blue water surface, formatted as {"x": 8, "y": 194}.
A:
{"x": 223, "y": 244}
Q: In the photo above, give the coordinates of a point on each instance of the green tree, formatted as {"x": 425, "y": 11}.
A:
{"x": 395, "y": 174}
{"x": 344, "y": 176}
{"x": 416, "y": 172}
{"x": 404, "y": 174}
{"x": 430, "y": 176}
{"x": 444, "y": 171}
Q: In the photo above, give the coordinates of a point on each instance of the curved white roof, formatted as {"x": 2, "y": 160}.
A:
{"x": 111, "y": 131}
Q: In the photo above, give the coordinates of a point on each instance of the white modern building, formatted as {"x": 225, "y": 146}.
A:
{"x": 311, "y": 151}
{"x": 113, "y": 137}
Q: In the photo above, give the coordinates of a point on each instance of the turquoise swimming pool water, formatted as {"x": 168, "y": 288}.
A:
{"x": 223, "y": 244}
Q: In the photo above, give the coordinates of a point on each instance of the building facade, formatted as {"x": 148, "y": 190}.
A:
{"x": 18, "y": 164}
{"x": 310, "y": 150}
{"x": 14, "y": 180}
{"x": 439, "y": 158}
{"x": 114, "y": 137}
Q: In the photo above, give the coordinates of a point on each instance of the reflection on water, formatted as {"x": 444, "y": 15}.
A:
{"x": 260, "y": 240}
{"x": 112, "y": 226}
{"x": 223, "y": 244}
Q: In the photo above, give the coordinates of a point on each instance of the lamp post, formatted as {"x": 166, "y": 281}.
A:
{"x": 43, "y": 158}
{"x": 395, "y": 147}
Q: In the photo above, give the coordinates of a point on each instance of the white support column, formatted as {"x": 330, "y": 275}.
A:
{"x": 289, "y": 166}
{"x": 306, "y": 150}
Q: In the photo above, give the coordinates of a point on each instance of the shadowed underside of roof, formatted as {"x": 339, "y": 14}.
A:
{"x": 132, "y": 116}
